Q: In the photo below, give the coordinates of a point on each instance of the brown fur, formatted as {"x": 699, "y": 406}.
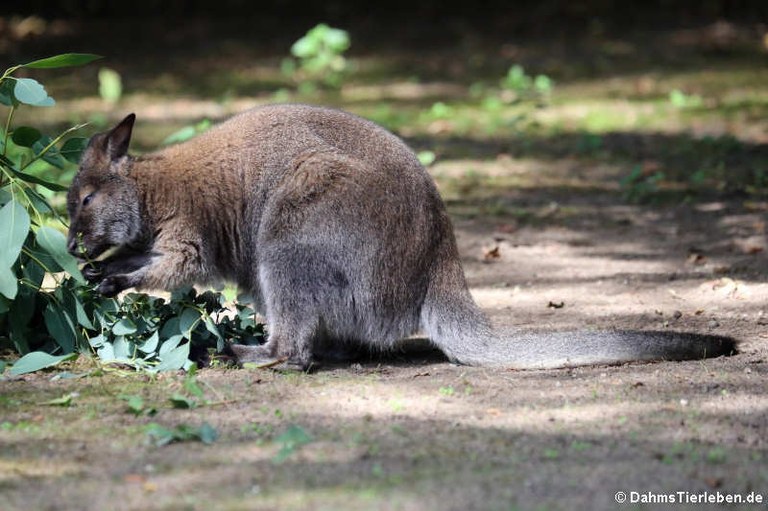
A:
{"x": 329, "y": 221}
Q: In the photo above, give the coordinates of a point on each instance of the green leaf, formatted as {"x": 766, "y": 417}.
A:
{"x": 182, "y": 402}
{"x": 33, "y": 272}
{"x": 174, "y": 359}
{"x": 150, "y": 345}
{"x": 54, "y": 242}
{"x": 160, "y": 435}
{"x": 51, "y": 155}
{"x": 188, "y": 321}
{"x": 25, "y": 136}
{"x": 31, "y": 92}
{"x": 121, "y": 348}
{"x": 65, "y": 400}
{"x": 124, "y": 327}
{"x": 22, "y": 310}
{"x": 181, "y": 135}
{"x": 45, "y": 260}
{"x": 426, "y": 158}
{"x": 169, "y": 344}
{"x": 207, "y": 433}
{"x": 14, "y": 227}
{"x": 97, "y": 341}
{"x": 5, "y": 195}
{"x": 73, "y": 149}
{"x": 74, "y": 306}
{"x": 106, "y": 353}
{"x": 110, "y": 85}
{"x": 543, "y": 84}
{"x": 191, "y": 385}
{"x": 211, "y": 327}
{"x": 82, "y": 317}
{"x": 29, "y": 178}
{"x": 37, "y": 360}
{"x": 170, "y": 328}
{"x": 136, "y": 405}
{"x": 6, "y": 93}
{"x": 38, "y": 202}
{"x": 291, "y": 440}
{"x": 305, "y": 47}
{"x": 337, "y": 40}
{"x": 9, "y": 285}
{"x": 63, "y": 60}
{"x": 61, "y": 327}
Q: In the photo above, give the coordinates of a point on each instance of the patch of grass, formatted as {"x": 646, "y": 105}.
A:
{"x": 160, "y": 435}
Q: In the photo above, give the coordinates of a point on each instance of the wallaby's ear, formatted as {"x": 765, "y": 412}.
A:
{"x": 119, "y": 137}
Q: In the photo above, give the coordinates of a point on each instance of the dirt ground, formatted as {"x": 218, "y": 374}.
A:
{"x": 412, "y": 431}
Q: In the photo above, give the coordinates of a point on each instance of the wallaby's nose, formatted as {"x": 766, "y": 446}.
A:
{"x": 72, "y": 245}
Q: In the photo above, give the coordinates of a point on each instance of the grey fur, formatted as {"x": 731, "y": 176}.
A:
{"x": 330, "y": 222}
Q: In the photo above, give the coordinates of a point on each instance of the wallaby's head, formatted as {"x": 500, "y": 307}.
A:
{"x": 103, "y": 202}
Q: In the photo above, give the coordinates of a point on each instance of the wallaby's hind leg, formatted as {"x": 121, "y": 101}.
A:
{"x": 292, "y": 318}
{"x": 288, "y": 346}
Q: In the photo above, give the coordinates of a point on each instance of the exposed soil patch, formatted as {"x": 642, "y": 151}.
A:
{"x": 412, "y": 431}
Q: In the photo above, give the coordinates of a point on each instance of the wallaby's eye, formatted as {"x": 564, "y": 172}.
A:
{"x": 87, "y": 199}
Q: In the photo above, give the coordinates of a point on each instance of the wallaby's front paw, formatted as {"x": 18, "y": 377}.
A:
{"x": 93, "y": 272}
{"x": 112, "y": 285}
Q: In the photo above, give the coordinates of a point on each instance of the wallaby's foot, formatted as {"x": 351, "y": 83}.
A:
{"x": 262, "y": 357}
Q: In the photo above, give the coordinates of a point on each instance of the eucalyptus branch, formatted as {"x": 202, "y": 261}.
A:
{"x": 7, "y": 174}
{"x": 31, "y": 255}
{"x": 8, "y": 128}
{"x": 51, "y": 144}
{"x": 9, "y": 72}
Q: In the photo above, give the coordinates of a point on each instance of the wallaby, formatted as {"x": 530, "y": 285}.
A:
{"x": 332, "y": 225}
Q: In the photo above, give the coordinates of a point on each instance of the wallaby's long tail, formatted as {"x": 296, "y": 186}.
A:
{"x": 569, "y": 349}
{"x": 454, "y": 323}
{"x": 467, "y": 344}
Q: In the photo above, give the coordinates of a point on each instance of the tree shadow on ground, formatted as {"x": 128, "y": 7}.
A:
{"x": 490, "y": 449}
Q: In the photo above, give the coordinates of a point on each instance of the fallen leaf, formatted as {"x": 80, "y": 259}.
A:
{"x": 713, "y": 482}
{"x": 493, "y": 254}
{"x": 65, "y": 400}
{"x": 134, "y": 478}
{"x": 751, "y": 245}
{"x": 508, "y": 228}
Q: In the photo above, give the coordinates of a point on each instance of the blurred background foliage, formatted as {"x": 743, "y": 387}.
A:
{"x": 664, "y": 97}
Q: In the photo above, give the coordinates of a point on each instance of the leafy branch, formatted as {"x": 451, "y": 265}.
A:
{"x": 49, "y": 324}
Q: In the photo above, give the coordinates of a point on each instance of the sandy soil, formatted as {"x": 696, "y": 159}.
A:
{"x": 412, "y": 431}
